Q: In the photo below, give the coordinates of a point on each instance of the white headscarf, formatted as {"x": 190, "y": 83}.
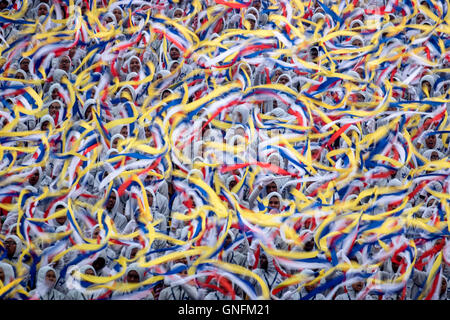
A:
{"x": 42, "y": 286}
{"x": 8, "y": 272}
{"x": 19, "y": 245}
{"x": 47, "y": 118}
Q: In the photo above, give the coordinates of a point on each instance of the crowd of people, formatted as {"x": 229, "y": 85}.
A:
{"x": 224, "y": 150}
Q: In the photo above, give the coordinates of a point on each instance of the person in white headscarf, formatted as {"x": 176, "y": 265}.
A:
{"x": 6, "y": 277}
{"x": 274, "y": 202}
{"x": 14, "y": 248}
{"x": 252, "y": 21}
{"x": 133, "y": 275}
{"x": 41, "y": 12}
{"x": 428, "y": 140}
{"x": 426, "y": 85}
{"x": 158, "y": 202}
{"x": 46, "y": 280}
{"x": 353, "y": 290}
{"x": 296, "y": 294}
{"x": 6, "y": 273}
{"x": 78, "y": 292}
{"x": 109, "y": 20}
{"x": 133, "y": 64}
{"x": 176, "y": 288}
{"x": 114, "y": 210}
{"x": 46, "y": 123}
{"x": 241, "y": 114}
{"x": 231, "y": 254}
{"x": 267, "y": 272}
{"x": 263, "y": 187}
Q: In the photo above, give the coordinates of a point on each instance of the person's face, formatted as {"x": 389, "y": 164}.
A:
{"x": 11, "y": 246}
{"x": 263, "y": 262}
{"x": 311, "y": 287}
{"x": 174, "y": 53}
{"x": 426, "y": 86}
{"x": 89, "y": 272}
{"x": 274, "y": 202}
{"x": 53, "y": 109}
{"x": 271, "y": 187}
{"x": 228, "y": 241}
{"x": 50, "y": 278}
{"x": 357, "y": 286}
{"x": 64, "y": 64}
{"x": 357, "y": 25}
{"x": 283, "y": 80}
{"x": 309, "y": 245}
{"x": 246, "y": 69}
{"x": 108, "y": 20}
{"x": 443, "y": 286}
{"x": 2, "y": 276}
{"x": 420, "y": 18}
{"x": 61, "y": 220}
{"x": 34, "y": 178}
{"x": 174, "y": 66}
{"x": 445, "y": 86}
{"x": 98, "y": 264}
{"x": 115, "y": 143}
{"x": 178, "y": 14}
{"x": 158, "y": 76}
{"x": 314, "y": 54}
{"x": 277, "y": 74}
{"x": 360, "y": 72}
{"x": 127, "y": 94}
{"x": 132, "y": 277}
{"x": 83, "y": 8}
{"x": 45, "y": 125}
{"x": 430, "y": 141}
{"x": 240, "y": 131}
{"x": 96, "y": 233}
{"x": 357, "y": 43}
{"x": 118, "y": 14}
{"x": 157, "y": 290}
{"x": 148, "y": 132}
{"x": 165, "y": 94}
{"x": 239, "y": 117}
{"x": 256, "y": 4}
{"x": 24, "y": 65}
{"x": 72, "y": 52}
{"x": 88, "y": 113}
{"x": 252, "y": 24}
{"x": 434, "y": 156}
{"x": 232, "y": 184}
{"x": 124, "y": 131}
{"x": 395, "y": 266}
{"x": 135, "y": 66}
{"x": 55, "y": 94}
{"x": 42, "y": 11}
{"x": 19, "y": 75}
{"x": 111, "y": 201}
{"x": 133, "y": 253}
